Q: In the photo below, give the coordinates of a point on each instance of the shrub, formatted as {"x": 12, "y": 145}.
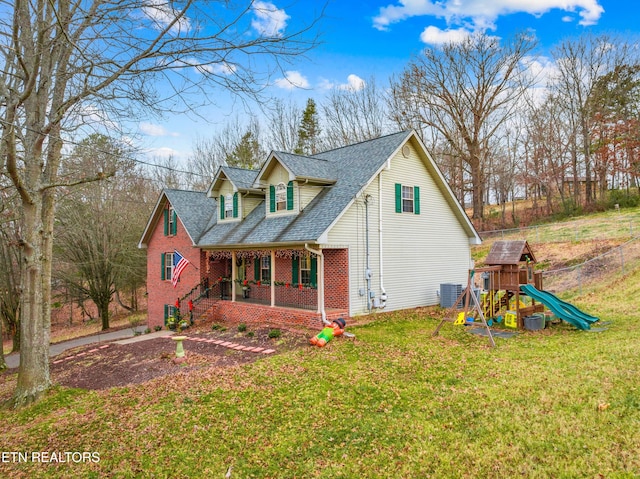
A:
{"x": 250, "y": 334}
{"x": 242, "y": 327}
{"x": 275, "y": 333}
{"x": 157, "y": 327}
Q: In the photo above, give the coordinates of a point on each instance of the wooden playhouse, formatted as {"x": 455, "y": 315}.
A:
{"x": 509, "y": 264}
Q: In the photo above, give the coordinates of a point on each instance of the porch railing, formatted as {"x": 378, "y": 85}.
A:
{"x": 286, "y": 295}
{"x": 204, "y": 296}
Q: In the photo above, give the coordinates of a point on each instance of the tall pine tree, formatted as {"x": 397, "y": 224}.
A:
{"x": 309, "y": 130}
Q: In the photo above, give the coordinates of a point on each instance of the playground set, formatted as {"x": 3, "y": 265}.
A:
{"x": 510, "y": 293}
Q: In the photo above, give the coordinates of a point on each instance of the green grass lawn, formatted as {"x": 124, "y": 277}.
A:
{"x": 394, "y": 402}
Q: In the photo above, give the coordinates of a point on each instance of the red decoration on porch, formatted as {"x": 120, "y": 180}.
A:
{"x": 245, "y": 282}
{"x": 287, "y": 285}
{"x": 300, "y": 286}
{"x": 258, "y": 283}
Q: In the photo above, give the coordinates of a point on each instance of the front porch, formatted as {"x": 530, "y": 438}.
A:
{"x": 277, "y": 287}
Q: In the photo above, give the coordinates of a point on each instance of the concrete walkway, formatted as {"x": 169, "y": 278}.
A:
{"x": 13, "y": 359}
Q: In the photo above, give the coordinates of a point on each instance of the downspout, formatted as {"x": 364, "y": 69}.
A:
{"x": 367, "y": 271}
{"x": 321, "y": 310}
{"x": 383, "y": 292}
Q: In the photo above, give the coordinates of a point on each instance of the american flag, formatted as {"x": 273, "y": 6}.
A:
{"x": 179, "y": 263}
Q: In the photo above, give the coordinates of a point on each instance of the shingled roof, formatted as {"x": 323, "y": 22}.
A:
{"x": 343, "y": 172}
{"x": 509, "y": 252}
{"x": 354, "y": 165}
{"x": 194, "y": 209}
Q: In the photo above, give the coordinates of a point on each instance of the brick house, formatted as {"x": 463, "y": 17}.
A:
{"x": 350, "y": 231}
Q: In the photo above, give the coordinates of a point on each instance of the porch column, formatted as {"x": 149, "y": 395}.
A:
{"x": 234, "y": 275}
{"x": 273, "y": 277}
{"x": 321, "y": 283}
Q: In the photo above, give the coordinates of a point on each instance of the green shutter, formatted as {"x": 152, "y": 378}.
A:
{"x": 295, "y": 265}
{"x": 290, "y": 195}
{"x": 235, "y": 204}
{"x": 221, "y": 206}
{"x": 166, "y": 313}
{"x": 398, "y": 198}
{"x": 162, "y": 267}
{"x": 272, "y": 198}
{"x": 175, "y": 223}
{"x": 416, "y": 200}
{"x": 314, "y": 271}
{"x": 166, "y": 222}
{"x": 256, "y": 269}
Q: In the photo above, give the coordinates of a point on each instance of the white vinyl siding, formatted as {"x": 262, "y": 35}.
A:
{"x": 421, "y": 251}
{"x": 249, "y": 203}
{"x": 306, "y": 193}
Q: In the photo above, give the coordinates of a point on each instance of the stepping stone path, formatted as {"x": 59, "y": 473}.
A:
{"x": 229, "y": 345}
{"x": 217, "y": 342}
{"x": 79, "y": 355}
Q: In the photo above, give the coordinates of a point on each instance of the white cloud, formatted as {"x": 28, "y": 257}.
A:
{"x": 482, "y": 14}
{"x": 151, "y": 129}
{"x": 270, "y": 21}
{"x": 354, "y": 83}
{"x": 434, "y": 36}
{"x": 163, "y": 14}
{"x": 292, "y": 79}
{"x": 163, "y": 152}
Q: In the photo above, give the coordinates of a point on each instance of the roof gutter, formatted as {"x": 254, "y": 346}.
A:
{"x": 320, "y": 256}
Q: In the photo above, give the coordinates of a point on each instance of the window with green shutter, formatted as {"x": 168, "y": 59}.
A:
{"x": 290, "y": 196}
{"x": 221, "y": 206}
{"x": 166, "y": 222}
{"x": 272, "y": 199}
{"x": 166, "y": 266}
{"x": 174, "y": 222}
{"x": 305, "y": 270}
{"x": 295, "y": 274}
{"x": 235, "y": 204}
{"x": 170, "y": 221}
{"x": 407, "y": 199}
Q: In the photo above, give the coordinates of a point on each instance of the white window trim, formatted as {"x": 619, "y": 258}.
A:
{"x": 409, "y": 199}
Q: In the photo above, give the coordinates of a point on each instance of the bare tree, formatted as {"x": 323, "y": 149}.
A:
{"x": 98, "y": 224}
{"x": 10, "y": 258}
{"x": 283, "y": 120}
{"x": 65, "y": 63}
{"x": 354, "y": 115}
{"x": 580, "y": 62}
{"x": 465, "y": 92}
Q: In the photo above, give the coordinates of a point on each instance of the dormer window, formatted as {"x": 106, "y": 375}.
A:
{"x": 228, "y": 206}
{"x": 281, "y": 197}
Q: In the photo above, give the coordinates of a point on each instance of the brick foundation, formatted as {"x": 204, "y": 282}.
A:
{"x": 266, "y": 316}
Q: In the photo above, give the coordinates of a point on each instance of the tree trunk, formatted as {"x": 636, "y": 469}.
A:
{"x": 35, "y": 302}
{"x": 3, "y": 365}
{"x": 477, "y": 190}
{"x": 103, "y": 312}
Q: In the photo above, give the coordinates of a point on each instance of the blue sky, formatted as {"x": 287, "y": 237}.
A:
{"x": 376, "y": 38}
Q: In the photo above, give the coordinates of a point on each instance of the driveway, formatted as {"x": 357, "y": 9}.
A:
{"x": 13, "y": 359}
